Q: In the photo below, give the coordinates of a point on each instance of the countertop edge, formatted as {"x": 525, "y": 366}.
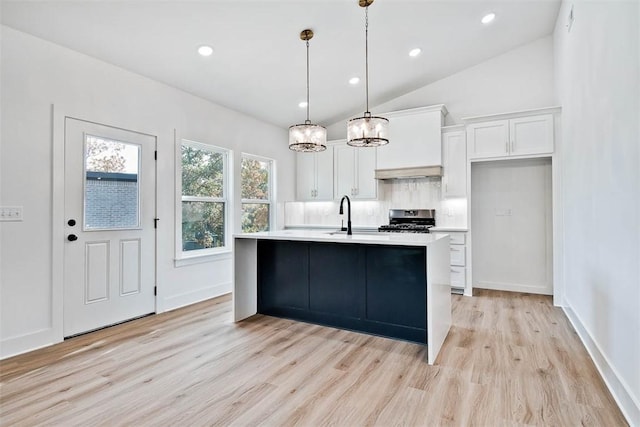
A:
{"x": 452, "y": 229}
{"x": 390, "y": 239}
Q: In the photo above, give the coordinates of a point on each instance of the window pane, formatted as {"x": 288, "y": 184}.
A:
{"x": 202, "y": 172}
{"x": 255, "y": 179}
{"x": 255, "y": 217}
{"x": 111, "y": 191}
{"x": 202, "y": 225}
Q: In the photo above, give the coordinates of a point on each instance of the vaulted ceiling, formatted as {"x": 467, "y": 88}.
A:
{"x": 258, "y": 63}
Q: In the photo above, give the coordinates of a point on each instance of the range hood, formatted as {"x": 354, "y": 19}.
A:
{"x": 408, "y": 173}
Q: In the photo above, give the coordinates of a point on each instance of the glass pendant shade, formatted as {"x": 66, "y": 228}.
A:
{"x": 307, "y": 137}
{"x": 368, "y": 131}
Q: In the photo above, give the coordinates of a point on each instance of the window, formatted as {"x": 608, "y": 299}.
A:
{"x": 256, "y": 178}
{"x": 204, "y": 196}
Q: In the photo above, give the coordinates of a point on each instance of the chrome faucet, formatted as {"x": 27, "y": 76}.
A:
{"x": 349, "y": 233}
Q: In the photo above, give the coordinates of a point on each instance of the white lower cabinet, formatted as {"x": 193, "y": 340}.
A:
{"x": 458, "y": 264}
{"x": 458, "y": 277}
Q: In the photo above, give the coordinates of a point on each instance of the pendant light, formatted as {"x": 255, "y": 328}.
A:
{"x": 307, "y": 137}
{"x": 368, "y": 130}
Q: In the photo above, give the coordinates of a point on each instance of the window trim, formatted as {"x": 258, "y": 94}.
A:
{"x": 203, "y": 255}
{"x": 272, "y": 189}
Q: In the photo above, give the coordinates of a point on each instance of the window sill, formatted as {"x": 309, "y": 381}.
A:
{"x": 186, "y": 260}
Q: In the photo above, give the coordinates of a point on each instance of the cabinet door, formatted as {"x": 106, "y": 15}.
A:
{"x": 488, "y": 139}
{"x": 397, "y": 286}
{"x": 324, "y": 174}
{"x": 366, "y": 184}
{"x": 337, "y": 279}
{"x": 458, "y": 277}
{"x": 531, "y": 135}
{"x": 458, "y": 255}
{"x": 454, "y": 162}
{"x": 283, "y": 275}
{"x": 345, "y": 169}
{"x": 305, "y": 176}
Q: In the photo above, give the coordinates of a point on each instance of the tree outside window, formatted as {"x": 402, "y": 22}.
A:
{"x": 255, "y": 175}
{"x": 203, "y": 196}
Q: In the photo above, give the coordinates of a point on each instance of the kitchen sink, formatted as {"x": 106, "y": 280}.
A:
{"x": 340, "y": 232}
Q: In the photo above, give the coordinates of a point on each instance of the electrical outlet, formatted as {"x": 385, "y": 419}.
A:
{"x": 10, "y": 213}
{"x": 503, "y": 212}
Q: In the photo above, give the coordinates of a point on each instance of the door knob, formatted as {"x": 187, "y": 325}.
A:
{"x": 72, "y": 237}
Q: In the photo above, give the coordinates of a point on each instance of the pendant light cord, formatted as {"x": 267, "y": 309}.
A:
{"x": 366, "y": 53}
{"x": 308, "y": 121}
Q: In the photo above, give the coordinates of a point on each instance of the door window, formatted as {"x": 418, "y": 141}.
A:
{"x": 111, "y": 184}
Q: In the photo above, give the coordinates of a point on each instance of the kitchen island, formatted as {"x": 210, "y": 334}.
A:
{"x": 390, "y": 284}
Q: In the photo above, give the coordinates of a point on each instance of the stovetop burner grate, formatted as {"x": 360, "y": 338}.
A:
{"x": 409, "y": 221}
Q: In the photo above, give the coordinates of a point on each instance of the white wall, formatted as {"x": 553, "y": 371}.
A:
{"x": 597, "y": 79}
{"x": 520, "y": 79}
{"x": 37, "y": 74}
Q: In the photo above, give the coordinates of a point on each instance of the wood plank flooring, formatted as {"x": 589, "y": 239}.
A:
{"x": 509, "y": 360}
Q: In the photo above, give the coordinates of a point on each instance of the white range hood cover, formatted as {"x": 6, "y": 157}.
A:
{"x": 408, "y": 173}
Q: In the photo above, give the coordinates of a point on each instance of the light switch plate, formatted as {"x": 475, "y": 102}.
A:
{"x": 10, "y": 213}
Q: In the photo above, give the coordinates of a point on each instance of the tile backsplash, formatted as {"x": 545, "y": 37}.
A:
{"x": 421, "y": 193}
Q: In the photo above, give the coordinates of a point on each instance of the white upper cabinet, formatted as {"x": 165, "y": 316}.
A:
{"x": 314, "y": 175}
{"x": 531, "y": 135}
{"x": 517, "y": 136}
{"x": 489, "y": 139}
{"x": 414, "y": 138}
{"x": 454, "y": 162}
{"x": 354, "y": 172}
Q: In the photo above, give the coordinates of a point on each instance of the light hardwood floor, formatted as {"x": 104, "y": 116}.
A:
{"x": 510, "y": 359}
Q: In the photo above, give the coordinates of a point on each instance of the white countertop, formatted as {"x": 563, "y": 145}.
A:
{"x": 438, "y": 229}
{"x": 374, "y": 238}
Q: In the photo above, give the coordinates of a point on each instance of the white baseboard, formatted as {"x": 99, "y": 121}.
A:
{"x": 514, "y": 287}
{"x": 628, "y": 404}
{"x": 13, "y": 346}
{"x": 192, "y": 297}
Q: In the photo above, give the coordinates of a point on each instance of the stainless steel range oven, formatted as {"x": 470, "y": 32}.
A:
{"x": 410, "y": 221}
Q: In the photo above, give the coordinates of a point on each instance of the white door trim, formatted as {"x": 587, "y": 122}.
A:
{"x": 58, "y": 118}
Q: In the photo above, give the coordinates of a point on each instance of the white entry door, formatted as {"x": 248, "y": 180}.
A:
{"x": 109, "y": 251}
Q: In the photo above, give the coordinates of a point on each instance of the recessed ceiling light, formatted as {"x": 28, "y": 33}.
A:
{"x": 415, "y": 52}
{"x": 488, "y": 18}
{"x": 205, "y": 50}
{"x": 303, "y": 104}
{"x": 354, "y": 80}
